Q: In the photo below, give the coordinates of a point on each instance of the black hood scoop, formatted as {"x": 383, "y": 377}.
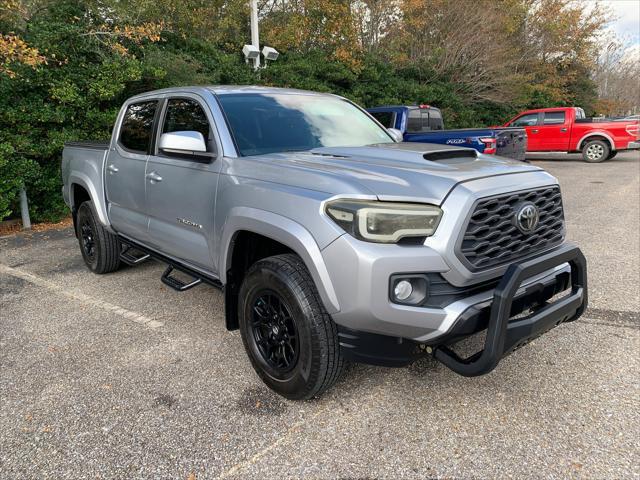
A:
{"x": 461, "y": 155}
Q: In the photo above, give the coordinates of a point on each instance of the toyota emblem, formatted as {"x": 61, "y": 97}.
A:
{"x": 527, "y": 217}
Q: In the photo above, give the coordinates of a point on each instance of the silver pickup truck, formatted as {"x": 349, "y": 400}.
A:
{"x": 332, "y": 240}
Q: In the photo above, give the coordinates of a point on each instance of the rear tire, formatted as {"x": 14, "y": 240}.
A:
{"x": 100, "y": 248}
{"x": 595, "y": 151}
{"x": 290, "y": 338}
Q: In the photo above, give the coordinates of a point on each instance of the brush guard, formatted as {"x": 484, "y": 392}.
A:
{"x": 505, "y": 335}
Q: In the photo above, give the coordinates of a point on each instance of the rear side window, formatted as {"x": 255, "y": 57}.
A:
{"x": 554, "y": 118}
{"x": 387, "y": 119}
{"x": 528, "y": 120}
{"x": 184, "y": 114}
{"x": 137, "y": 126}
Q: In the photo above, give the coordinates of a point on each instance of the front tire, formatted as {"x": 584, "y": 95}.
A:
{"x": 290, "y": 338}
{"x": 612, "y": 154}
{"x": 595, "y": 151}
{"x": 100, "y": 248}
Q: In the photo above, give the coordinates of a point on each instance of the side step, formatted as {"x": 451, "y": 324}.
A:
{"x": 127, "y": 257}
{"x": 177, "y": 284}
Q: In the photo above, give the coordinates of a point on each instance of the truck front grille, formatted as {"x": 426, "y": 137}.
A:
{"x": 492, "y": 237}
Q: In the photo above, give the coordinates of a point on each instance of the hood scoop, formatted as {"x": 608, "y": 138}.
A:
{"x": 462, "y": 155}
{"x": 415, "y": 153}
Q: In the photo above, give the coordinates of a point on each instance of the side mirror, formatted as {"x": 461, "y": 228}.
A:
{"x": 396, "y": 134}
{"x": 184, "y": 143}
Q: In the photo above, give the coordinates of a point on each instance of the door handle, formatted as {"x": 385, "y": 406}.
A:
{"x": 113, "y": 169}
{"x": 563, "y": 129}
{"x": 535, "y": 130}
{"x": 153, "y": 177}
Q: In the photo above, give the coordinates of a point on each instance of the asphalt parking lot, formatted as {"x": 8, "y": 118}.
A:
{"x": 118, "y": 376}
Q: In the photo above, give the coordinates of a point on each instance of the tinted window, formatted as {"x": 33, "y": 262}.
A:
{"x": 388, "y": 119}
{"x": 414, "y": 121}
{"x": 527, "y": 120}
{"x": 554, "y": 118}
{"x": 264, "y": 123}
{"x": 435, "y": 120}
{"x": 137, "y": 126}
{"x": 184, "y": 114}
{"x": 424, "y": 120}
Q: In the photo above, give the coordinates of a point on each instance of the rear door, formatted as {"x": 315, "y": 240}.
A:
{"x": 125, "y": 169}
{"x": 530, "y": 122}
{"x": 555, "y": 130}
{"x": 181, "y": 190}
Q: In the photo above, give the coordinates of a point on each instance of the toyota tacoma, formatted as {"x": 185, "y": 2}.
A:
{"x": 331, "y": 241}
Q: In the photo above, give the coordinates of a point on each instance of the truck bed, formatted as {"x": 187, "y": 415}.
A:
{"x": 510, "y": 141}
{"x": 93, "y": 144}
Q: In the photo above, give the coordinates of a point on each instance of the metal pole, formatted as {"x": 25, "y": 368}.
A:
{"x": 24, "y": 209}
{"x": 255, "y": 34}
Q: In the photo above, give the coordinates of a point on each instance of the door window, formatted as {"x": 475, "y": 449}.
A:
{"x": 528, "y": 120}
{"x": 137, "y": 126}
{"x": 554, "y": 118}
{"x": 185, "y": 114}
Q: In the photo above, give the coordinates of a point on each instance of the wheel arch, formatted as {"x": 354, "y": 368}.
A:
{"x": 281, "y": 235}
{"x": 81, "y": 184}
{"x": 599, "y": 135}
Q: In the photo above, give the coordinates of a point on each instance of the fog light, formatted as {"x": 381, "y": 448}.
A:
{"x": 403, "y": 290}
{"x": 408, "y": 288}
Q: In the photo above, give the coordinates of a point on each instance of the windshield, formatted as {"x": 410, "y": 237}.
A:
{"x": 267, "y": 123}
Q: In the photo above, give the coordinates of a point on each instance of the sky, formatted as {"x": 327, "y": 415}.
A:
{"x": 627, "y": 23}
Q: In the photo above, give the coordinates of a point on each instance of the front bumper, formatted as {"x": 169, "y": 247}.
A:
{"x": 527, "y": 288}
{"x": 633, "y": 145}
{"x": 505, "y": 335}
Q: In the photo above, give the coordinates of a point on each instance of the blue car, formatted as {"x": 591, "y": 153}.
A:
{"x": 423, "y": 123}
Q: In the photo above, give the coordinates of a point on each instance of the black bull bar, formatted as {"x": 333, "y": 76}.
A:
{"x": 505, "y": 335}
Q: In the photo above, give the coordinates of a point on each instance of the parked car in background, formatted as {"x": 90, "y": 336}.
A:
{"x": 331, "y": 241}
{"x": 566, "y": 129}
{"x": 424, "y": 123}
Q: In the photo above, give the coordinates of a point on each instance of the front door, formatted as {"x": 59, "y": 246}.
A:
{"x": 555, "y": 131}
{"x": 181, "y": 190}
{"x": 125, "y": 170}
{"x": 530, "y": 122}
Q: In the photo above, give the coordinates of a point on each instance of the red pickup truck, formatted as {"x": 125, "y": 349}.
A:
{"x": 567, "y": 129}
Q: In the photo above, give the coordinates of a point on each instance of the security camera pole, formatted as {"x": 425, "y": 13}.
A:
{"x": 251, "y": 52}
{"x": 255, "y": 34}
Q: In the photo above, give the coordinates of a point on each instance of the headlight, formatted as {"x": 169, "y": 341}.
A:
{"x": 384, "y": 222}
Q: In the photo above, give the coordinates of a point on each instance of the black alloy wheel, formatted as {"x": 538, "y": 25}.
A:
{"x": 274, "y": 331}
{"x": 290, "y": 338}
{"x": 87, "y": 236}
{"x": 100, "y": 248}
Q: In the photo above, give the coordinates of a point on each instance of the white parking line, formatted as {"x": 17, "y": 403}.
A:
{"x": 81, "y": 297}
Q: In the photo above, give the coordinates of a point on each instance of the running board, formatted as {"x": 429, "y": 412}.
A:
{"x": 130, "y": 259}
{"x": 174, "y": 263}
{"x": 176, "y": 284}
